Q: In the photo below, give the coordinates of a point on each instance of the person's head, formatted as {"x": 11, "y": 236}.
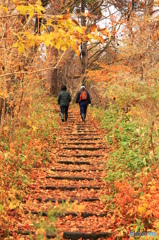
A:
{"x": 63, "y": 87}
{"x": 82, "y": 87}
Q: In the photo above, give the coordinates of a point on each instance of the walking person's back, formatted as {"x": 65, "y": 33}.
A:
{"x": 64, "y": 98}
{"x": 83, "y": 98}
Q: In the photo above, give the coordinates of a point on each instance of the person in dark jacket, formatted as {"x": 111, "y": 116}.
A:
{"x": 64, "y": 98}
{"x": 83, "y": 98}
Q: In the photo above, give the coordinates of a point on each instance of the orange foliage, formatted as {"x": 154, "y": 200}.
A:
{"x": 108, "y": 73}
{"x": 132, "y": 202}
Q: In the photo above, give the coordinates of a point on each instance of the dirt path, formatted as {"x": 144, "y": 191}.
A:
{"x": 76, "y": 176}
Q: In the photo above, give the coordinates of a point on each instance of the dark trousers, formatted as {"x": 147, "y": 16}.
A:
{"x": 64, "y": 109}
{"x": 83, "y": 107}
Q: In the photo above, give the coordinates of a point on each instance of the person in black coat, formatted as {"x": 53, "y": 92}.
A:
{"x": 64, "y": 98}
{"x": 83, "y": 98}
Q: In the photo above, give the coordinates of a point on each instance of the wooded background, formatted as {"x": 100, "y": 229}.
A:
{"x": 44, "y": 43}
{"x": 111, "y": 46}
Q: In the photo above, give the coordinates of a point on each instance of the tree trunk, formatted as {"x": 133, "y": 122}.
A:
{"x": 3, "y": 112}
{"x": 84, "y": 50}
{"x": 52, "y": 74}
{"x": 149, "y": 7}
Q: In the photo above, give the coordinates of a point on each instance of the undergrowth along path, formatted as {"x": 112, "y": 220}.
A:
{"x": 73, "y": 181}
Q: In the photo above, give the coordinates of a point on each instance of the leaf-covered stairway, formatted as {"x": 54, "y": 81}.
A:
{"x": 76, "y": 177}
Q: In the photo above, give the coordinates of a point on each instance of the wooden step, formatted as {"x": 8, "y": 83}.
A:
{"x": 70, "y": 188}
{"x": 73, "y": 214}
{"x": 53, "y": 200}
{"x": 81, "y": 134}
{"x": 73, "y": 235}
{"x": 74, "y": 162}
{"x": 76, "y": 170}
{"x": 86, "y": 131}
{"x": 82, "y": 235}
{"x": 83, "y": 148}
{"x": 82, "y": 143}
{"x": 84, "y": 139}
{"x": 81, "y": 155}
{"x": 73, "y": 178}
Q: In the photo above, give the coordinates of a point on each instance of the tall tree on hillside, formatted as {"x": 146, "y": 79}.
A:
{"x": 84, "y": 50}
{"x": 24, "y": 47}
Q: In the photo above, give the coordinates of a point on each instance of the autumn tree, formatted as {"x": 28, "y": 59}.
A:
{"x": 93, "y": 15}
{"x": 141, "y": 43}
{"x": 25, "y": 47}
